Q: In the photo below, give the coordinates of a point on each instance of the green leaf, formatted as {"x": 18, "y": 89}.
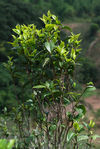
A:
{"x": 10, "y": 144}
{"x": 70, "y": 135}
{"x": 39, "y": 86}
{"x": 82, "y": 109}
{"x": 17, "y": 31}
{"x": 91, "y": 124}
{"x": 44, "y": 19}
{"x": 76, "y": 126}
{"x": 95, "y": 137}
{"x": 82, "y": 137}
{"x": 90, "y": 83}
{"x": 4, "y": 144}
{"x": 81, "y": 112}
{"x": 53, "y": 127}
{"x": 54, "y": 17}
{"x": 46, "y": 94}
{"x": 74, "y": 84}
{"x": 47, "y": 84}
{"x": 49, "y": 13}
{"x": 49, "y": 26}
{"x": 73, "y": 55}
{"x": 90, "y": 88}
{"x": 86, "y": 125}
{"x": 66, "y": 101}
{"x": 67, "y": 27}
{"x": 46, "y": 61}
{"x": 49, "y": 46}
{"x": 62, "y": 44}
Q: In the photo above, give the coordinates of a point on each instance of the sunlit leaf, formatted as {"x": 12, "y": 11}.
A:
{"x": 46, "y": 61}
{"x": 70, "y": 135}
{"x": 67, "y": 27}
{"x": 82, "y": 137}
{"x": 49, "y": 46}
{"x": 82, "y": 108}
{"x": 94, "y": 137}
{"x": 39, "y": 86}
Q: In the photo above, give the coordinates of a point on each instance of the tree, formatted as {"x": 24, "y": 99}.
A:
{"x": 50, "y": 110}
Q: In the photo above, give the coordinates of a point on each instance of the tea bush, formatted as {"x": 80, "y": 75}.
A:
{"x": 50, "y": 111}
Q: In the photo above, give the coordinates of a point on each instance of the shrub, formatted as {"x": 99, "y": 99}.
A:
{"x": 50, "y": 113}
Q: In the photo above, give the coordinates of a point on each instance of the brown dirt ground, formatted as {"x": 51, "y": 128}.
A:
{"x": 94, "y": 101}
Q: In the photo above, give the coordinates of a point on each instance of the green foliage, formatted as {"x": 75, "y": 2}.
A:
{"x": 4, "y": 144}
{"x": 93, "y": 29}
{"x": 14, "y": 12}
{"x": 42, "y": 70}
{"x": 96, "y": 8}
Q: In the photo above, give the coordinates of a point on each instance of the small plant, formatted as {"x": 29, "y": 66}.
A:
{"x": 50, "y": 111}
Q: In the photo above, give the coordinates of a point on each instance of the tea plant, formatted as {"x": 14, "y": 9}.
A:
{"x": 50, "y": 112}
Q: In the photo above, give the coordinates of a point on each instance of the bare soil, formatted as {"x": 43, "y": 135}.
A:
{"x": 94, "y": 102}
